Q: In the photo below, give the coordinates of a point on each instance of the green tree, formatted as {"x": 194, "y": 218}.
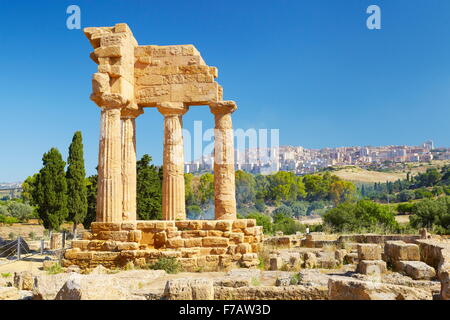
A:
{"x": 50, "y": 193}
{"x": 194, "y": 212}
{"x": 281, "y": 212}
{"x": 432, "y": 213}
{"x": 406, "y": 195}
{"x": 189, "y": 193}
{"x": 91, "y": 196}
{"x": 262, "y": 220}
{"x": 245, "y": 187}
{"x": 149, "y": 190}
{"x": 288, "y": 225}
{"x": 363, "y": 216}
{"x": 299, "y": 208}
{"x": 76, "y": 185}
{"x": 21, "y": 211}
{"x": 28, "y": 187}
{"x": 205, "y": 192}
{"x": 341, "y": 191}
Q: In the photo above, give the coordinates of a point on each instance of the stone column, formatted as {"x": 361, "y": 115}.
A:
{"x": 109, "y": 195}
{"x": 173, "y": 193}
{"x": 129, "y": 173}
{"x": 224, "y": 181}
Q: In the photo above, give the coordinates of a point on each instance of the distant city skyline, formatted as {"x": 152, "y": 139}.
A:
{"x": 316, "y": 159}
{"x": 300, "y": 160}
{"x": 311, "y": 69}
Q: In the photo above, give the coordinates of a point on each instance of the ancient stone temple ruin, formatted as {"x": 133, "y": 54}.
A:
{"x": 172, "y": 78}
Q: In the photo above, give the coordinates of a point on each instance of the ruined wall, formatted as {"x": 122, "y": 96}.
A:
{"x": 197, "y": 244}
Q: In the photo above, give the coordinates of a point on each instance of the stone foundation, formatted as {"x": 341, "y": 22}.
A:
{"x": 206, "y": 245}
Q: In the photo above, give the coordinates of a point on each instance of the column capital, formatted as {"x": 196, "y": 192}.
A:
{"x": 110, "y": 100}
{"x": 222, "y": 107}
{"x": 131, "y": 113}
{"x": 172, "y": 108}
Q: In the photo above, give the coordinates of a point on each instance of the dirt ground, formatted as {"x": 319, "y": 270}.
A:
{"x": 29, "y": 263}
{"x": 25, "y": 230}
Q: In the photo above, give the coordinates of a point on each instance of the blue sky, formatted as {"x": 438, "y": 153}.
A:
{"x": 308, "y": 67}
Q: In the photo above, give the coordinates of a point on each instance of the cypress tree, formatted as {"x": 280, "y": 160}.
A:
{"x": 91, "y": 185}
{"x": 149, "y": 190}
{"x": 76, "y": 185}
{"x": 50, "y": 193}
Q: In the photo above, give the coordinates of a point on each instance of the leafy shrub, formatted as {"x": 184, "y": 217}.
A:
{"x": 262, "y": 220}
{"x": 19, "y": 210}
{"x": 363, "y": 216}
{"x": 299, "y": 208}
{"x": 288, "y": 225}
{"x": 282, "y": 212}
{"x": 404, "y": 208}
{"x": 170, "y": 265}
{"x": 406, "y": 195}
{"x": 8, "y": 219}
{"x": 432, "y": 214}
{"x": 54, "y": 269}
{"x": 194, "y": 211}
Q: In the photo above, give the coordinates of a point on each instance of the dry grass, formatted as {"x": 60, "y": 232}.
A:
{"x": 355, "y": 174}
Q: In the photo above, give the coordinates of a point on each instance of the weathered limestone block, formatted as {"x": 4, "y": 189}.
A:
{"x": 339, "y": 255}
{"x": 82, "y": 244}
{"x": 127, "y": 246}
{"x": 145, "y": 225}
{"x": 214, "y": 233}
{"x": 271, "y": 293}
{"x": 399, "y": 250}
{"x": 240, "y": 224}
{"x": 243, "y": 248}
{"x": 340, "y": 288}
{"x": 417, "y": 270}
{"x": 135, "y": 236}
{"x": 46, "y": 287}
{"x": 87, "y": 235}
{"x": 175, "y": 243}
{"x": 215, "y": 242}
{"x": 113, "y": 235}
{"x": 192, "y": 242}
{"x": 372, "y": 267}
{"x": 97, "y": 227}
{"x": 445, "y": 286}
{"x": 369, "y": 251}
{"x": 275, "y": 263}
{"x": 224, "y": 225}
{"x": 56, "y": 241}
{"x": 105, "y": 256}
{"x": 350, "y": 258}
{"x": 236, "y": 237}
{"x": 23, "y": 280}
{"x": 190, "y": 252}
{"x": 189, "y": 289}
{"x": 309, "y": 260}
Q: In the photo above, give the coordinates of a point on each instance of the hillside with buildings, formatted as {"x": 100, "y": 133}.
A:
{"x": 300, "y": 160}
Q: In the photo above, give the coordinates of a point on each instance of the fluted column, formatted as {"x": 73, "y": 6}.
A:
{"x": 173, "y": 193}
{"x": 224, "y": 180}
{"x": 129, "y": 174}
{"x": 109, "y": 195}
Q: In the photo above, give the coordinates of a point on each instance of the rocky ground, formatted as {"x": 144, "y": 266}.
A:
{"x": 27, "y": 280}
